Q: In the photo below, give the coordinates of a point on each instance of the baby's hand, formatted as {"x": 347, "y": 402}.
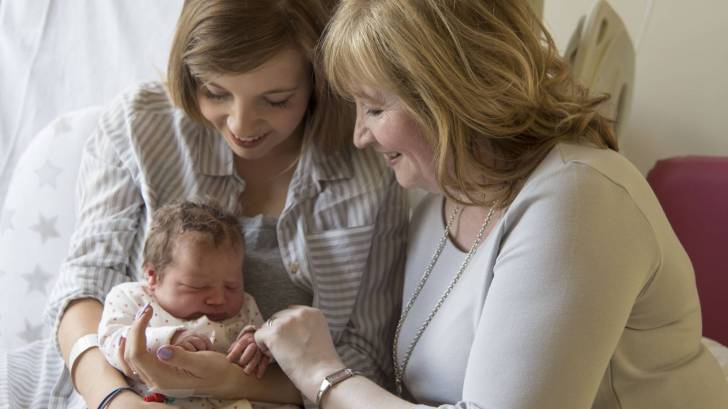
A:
{"x": 246, "y": 353}
{"x": 192, "y": 341}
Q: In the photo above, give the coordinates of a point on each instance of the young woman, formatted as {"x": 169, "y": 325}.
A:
{"x": 541, "y": 271}
{"x": 247, "y": 119}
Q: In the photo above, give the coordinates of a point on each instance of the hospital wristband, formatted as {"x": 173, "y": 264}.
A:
{"x": 81, "y": 345}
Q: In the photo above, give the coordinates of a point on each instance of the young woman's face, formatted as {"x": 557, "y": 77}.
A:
{"x": 201, "y": 280}
{"x": 381, "y": 121}
{"x": 260, "y": 112}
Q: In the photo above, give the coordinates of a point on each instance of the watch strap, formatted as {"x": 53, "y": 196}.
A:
{"x": 331, "y": 380}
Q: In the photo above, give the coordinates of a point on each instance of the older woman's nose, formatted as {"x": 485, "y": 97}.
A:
{"x": 362, "y": 134}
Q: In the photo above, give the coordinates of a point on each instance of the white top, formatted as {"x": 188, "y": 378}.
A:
{"x": 581, "y": 297}
{"x": 125, "y": 300}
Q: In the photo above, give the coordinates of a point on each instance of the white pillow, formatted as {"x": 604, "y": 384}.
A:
{"x": 36, "y": 222}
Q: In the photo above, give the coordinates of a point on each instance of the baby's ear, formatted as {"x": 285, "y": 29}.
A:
{"x": 151, "y": 275}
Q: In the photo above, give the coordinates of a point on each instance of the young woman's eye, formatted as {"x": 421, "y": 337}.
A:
{"x": 215, "y": 96}
{"x": 278, "y": 104}
{"x": 373, "y": 111}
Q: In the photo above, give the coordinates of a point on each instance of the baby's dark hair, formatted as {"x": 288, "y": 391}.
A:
{"x": 172, "y": 220}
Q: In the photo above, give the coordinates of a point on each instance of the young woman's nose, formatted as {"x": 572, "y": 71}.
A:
{"x": 241, "y": 121}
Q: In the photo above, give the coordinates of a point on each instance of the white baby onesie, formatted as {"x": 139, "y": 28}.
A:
{"x": 120, "y": 309}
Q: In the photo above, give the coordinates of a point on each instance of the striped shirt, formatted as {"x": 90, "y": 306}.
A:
{"x": 341, "y": 234}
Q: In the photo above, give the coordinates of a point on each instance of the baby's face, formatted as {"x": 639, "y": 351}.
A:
{"x": 201, "y": 280}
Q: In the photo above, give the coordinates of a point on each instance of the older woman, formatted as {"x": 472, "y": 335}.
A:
{"x": 541, "y": 271}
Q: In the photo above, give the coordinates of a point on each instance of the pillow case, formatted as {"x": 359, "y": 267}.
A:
{"x": 36, "y": 222}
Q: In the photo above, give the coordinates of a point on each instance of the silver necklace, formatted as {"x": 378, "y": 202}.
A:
{"x": 399, "y": 369}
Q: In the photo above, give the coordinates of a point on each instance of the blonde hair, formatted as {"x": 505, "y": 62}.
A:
{"x": 481, "y": 77}
{"x": 234, "y": 36}
{"x": 206, "y": 218}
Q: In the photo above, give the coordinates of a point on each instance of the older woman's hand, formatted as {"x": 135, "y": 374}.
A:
{"x": 298, "y": 339}
{"x": 205, "y": 373}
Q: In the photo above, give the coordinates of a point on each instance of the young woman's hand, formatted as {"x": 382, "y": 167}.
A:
{"x": 207, "y": 372}
{"x": 298, "y": 338}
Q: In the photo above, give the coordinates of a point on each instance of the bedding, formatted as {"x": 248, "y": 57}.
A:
{"x": 59, "y": 56}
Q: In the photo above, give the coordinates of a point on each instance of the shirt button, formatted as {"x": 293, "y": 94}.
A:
{"x": 294, "y": 267}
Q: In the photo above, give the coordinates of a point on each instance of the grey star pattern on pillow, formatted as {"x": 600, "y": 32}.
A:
{"x": 46, "y": 227}
{"x": 37, "y": 280}
{"x": 47, "y": 174}
{"x": 61, "y": 126}
{"x": 31, "y": 332}
{"x": 6, "y": 220}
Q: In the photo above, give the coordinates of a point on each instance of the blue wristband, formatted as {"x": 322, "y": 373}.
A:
{"x": 105, "y": 402}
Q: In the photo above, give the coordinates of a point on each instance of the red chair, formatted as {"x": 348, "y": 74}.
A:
{"x": 693, "y": 191}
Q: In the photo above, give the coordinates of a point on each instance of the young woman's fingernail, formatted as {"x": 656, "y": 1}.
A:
{"x": 164, "y": 353}
{"x": 141, "y": 310}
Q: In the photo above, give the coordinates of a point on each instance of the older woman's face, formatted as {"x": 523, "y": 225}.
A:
{"x": 383, "y": 123}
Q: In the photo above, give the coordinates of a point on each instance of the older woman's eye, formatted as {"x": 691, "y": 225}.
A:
{"x": 373, "y": 111}
{"x": 278, "y": 104}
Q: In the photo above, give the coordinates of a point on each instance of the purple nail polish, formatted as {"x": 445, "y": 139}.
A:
{"x": 141, "y": 310}
{"x": 164, "y": 353}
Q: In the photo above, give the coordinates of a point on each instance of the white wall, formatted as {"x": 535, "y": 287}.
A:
{"x": 680, "y": 104}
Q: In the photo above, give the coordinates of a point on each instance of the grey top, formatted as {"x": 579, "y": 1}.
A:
{"x": 581, "y": 297}
{"x": 265, "y": 278}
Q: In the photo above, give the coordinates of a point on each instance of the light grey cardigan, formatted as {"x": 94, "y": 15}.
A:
{"x": 582, "y": 297}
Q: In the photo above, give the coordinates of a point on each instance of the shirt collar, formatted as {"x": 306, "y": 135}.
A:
{"x": 214, "y": 157}
{"x": 330, "y": 166}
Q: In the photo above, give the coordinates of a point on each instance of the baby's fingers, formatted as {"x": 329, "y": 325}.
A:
{"x": 262, "y": 366}
{"x": 251, "y": 363}
{"x": 235, "y": 352}
{"x": 200, "y": 343}
{"x": 248, "y": 354}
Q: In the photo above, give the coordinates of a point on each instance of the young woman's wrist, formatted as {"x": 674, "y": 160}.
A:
{"x": 95, "y": 378}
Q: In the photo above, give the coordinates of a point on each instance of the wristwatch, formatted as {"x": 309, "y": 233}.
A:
{"x": 333, "y": 379}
